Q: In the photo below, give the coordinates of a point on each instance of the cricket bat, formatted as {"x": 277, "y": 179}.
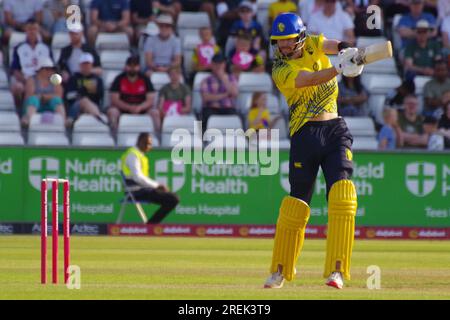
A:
{"x": 373, "y": 53}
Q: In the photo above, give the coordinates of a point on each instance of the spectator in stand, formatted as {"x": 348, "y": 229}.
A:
{"x": 132, "y": 92}
{"x": 310, "y": 7}
{"x": 69, "y": 59}
{"x": 280, "y": 6}
{"x": 246, "y": 25}
{"x": 84, "y": 91}
{"x": 390, "y": 134}
{"x": 219, "y": 91}
{"x": 408, "y": 22}
{"x": 141, "y": 12}
{"x": 444, "y": 125}
{"x": 411, "y": 124}
{"x": 204, "y": 51}
{"x": 445, "y": 31}
{"x": 243, "y": 58}
{"x": 445, "y": 97}
{"x": 443, "y": 8}
{"x": 109, "y": 16}
{"x": 227, "y": 13}
{"x": 392, "y": 7}
{"x": 434, "y": 90}
{"x": 333, "y": 23}
{"x": 175, "y": 97}
{"x": 396, "y": 96}
{"x": 25, "y": 60}
{"x": 352, "y": 97}
{"x": 259, "y": 115}
{"x": 58, "y": 10}
{"x": 421, "y": 53}
{"x": 201, "y": 5}
{"x": 169, "y": 7}
{"x": 164, "y": 50}
{"x": 40, "y": 94}
{"x": 435, "y": 138}
{"x": 17, "y": 13}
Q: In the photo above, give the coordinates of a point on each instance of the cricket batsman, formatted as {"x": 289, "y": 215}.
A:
{"x": 304, "y": 75}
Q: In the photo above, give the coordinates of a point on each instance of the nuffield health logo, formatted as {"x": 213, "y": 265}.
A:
{"x": 170, "y": 174}
{"x": 41, "y": 168}
{"x": 420, "y": 178}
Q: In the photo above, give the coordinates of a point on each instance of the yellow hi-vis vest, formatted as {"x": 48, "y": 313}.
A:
{"x": 142, "y": 159}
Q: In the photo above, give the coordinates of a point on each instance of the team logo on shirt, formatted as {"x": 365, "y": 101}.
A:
{"x": 309, "y": 50}
{"x": 315, "y": 66}
{"x": 281, "y": 27}
{"x": 349, "y": 154}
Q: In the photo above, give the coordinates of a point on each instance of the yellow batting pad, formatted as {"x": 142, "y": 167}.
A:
{"x": 289, "y": 235}
{"x": 342, "y": 204}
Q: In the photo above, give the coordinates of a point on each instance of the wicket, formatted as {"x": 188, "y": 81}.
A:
{"x": 55, "y": 228}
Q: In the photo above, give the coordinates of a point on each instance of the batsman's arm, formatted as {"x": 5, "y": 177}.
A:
{"x": 331, "y": 46}
{"x": 308, "y": 79}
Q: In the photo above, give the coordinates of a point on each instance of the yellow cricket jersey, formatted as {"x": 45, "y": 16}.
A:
{"x": 307, "y": 102}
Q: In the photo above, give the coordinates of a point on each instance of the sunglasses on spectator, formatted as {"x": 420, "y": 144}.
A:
{"x": 165, "y": 25}
{"x": 422, "y": 30}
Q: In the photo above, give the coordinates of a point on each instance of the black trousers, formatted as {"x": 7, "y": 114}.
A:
{"x": 323, "y": 143}
{"x": 167, "y": 200}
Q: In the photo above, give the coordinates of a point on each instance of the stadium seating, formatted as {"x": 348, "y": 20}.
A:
{"x": 112, "y": 41}
{"x": 88, "y": 123}
{"x": 380, "y": 83}
{"x": 196, "y": 96}
{"x": 9, "y": 122}
{"x": 11, "y": 138}
{"x": 159, "y": 79}
{"x": 223, "y": 122}
{"x": 108, "y": 78}
{"x": 88, "y": 131}
{"x": 361, "y": 126}
{"x": 48, "y": 139}
{"x": 186, "y": 122}
{"x": 386, "y": 66}
{"x": 130, "y": 126}
{"x": 134, "y": 123}
{"x": 114, "y": 59}
{"x": 6, "y": 101}
{"x": 93, "y": 140}
{"x": 376, "y": 106}
{"x": 60, "y": 40}
{"x": 191, "y": 22}
{"x": 189, "y": 43}
{"x": 365, "y": 143}
{"x": 419, "y": 82}
{"x": 362, "y": 42}
{"x": 255, "y": 82}
{"x": 3, "y": 79}
{"x": 129, "y": 140}
{"x": 16, "y": 38}
{"x": 262, "y": 15}
{"x": 45, "y": 125}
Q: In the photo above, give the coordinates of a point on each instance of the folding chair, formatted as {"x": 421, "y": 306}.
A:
{"x": 129, "y": 198}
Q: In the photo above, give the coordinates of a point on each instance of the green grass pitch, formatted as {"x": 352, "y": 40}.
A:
{"x": 220, "y": 268}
